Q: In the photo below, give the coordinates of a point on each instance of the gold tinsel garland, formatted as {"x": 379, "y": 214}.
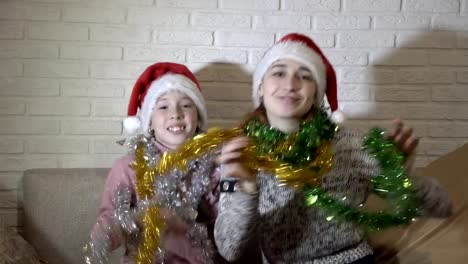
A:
{"x": 153, "y": 222}
{"x": 286, "y": 174}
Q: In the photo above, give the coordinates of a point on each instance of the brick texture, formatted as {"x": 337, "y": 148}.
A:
{"x": 67, "y": 69}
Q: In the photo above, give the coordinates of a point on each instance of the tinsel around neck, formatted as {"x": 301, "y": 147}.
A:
{"x": 298, "y": 148}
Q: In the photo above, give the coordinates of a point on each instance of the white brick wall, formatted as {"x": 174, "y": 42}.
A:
{"x": 186, "y": 37}
{"x": 389, "y": 93}
{"x": 240, "y": 39}
{"x": 94, "y": 15}
{"x": 441, "y": 40}
{"x": 380, "y": 6}
{"x": 27, "y": 50}
{"x": 188, "y": 3}
{"x": 281, "y": 22}
{"x": 462, "y": 40}
{"x": 401, "y": 57}
{"x": 402, "y": 22}
{"x": 11, "y": 30}
{"x": 11, "y": 68}
{"x": 12, "y": 107}
{"x": 366, "y": 39}
{"x": 424, "y": 76}
{"x": 450, "y": 22}
{"x": 51, "y": 145}
{"x": 311, "y": 5}
{"x": 11, "y": 145}
{"x": 102, "y": 52}
{"x": 120, "y": 33}
{"x": 208, "y": 55}
{"x": 435, "y": 6}
{"x": 57, "y": 31}
{"x": 324, "y": 40}
{"x": 261, "y": 5}
{"x": 54, "y": 69}
{"x": 67, "y": 68}
{"x": 21, "y": 11}
{"x": 338, "y": 22}
{"x": 157, "y": 17}
{"x": 220, "y": 20}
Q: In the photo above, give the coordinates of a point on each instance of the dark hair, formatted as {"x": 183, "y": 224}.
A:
{"x": 260, "y": 114}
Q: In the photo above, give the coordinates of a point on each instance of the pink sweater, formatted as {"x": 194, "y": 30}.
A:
{"x": 179, "y": 247}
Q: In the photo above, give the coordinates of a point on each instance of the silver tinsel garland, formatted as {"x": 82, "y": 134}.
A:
{"x": 179, "y": 193}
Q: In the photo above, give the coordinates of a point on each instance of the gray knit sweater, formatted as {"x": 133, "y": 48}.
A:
{"x": 288, "y": 231}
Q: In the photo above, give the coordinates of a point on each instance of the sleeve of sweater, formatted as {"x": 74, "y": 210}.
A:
{"x": 105, "y": 229}
{"x": 434, "y": 199}
{"x": 235, "y": 225}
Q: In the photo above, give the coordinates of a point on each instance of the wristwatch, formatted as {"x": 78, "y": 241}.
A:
{"x": 229, "y": 185}
{"x": 234, "y": 185}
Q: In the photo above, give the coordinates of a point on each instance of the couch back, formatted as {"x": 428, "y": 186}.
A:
{"x": 60, "y": 207}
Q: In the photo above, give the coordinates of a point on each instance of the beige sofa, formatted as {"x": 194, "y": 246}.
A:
{"x": 60, "y": 206}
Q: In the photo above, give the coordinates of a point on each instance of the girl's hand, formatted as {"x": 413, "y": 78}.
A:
{"x": 403, "y": 136}
{"x": 174, "y": 223}
{"x": 229, "y": 159}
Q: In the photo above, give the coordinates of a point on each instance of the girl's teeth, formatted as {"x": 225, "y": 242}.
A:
{"x": 175, "y": 129}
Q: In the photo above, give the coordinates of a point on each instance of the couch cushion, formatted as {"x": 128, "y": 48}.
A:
{"x": 60, "y": 207}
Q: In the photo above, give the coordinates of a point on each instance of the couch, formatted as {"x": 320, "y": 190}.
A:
{"x": 60, "y": 207}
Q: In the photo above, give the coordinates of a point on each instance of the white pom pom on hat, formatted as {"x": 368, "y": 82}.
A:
{"x": 131, "y": 125}
{"x": 338, "y": 117}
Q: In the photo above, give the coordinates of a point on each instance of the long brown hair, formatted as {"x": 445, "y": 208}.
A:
{"x": 260, "y": 114}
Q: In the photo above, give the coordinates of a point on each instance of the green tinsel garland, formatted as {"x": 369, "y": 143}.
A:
{"x": 297, "y": 149}
{"x": 392, "y": 184}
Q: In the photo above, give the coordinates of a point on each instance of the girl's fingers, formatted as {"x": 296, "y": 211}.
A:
{"x": 396, "y": 128}
{"x": 410, "y": 145}
{"x": 235, "y": 145}
{"x": 236, "y": 170}
{"x": 402, "y": 137}
{"x": 228, "y": 157}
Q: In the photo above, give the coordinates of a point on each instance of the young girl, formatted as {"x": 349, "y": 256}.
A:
{"x": 289, "y": 84}
{"x": 171, "y": 110}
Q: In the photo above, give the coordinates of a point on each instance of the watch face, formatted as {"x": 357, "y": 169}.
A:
{"x": 229, "y": 185}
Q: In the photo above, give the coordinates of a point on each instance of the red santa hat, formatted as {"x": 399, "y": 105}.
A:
{"x": 155, "y": 81}
{"x": 303, "y": 50}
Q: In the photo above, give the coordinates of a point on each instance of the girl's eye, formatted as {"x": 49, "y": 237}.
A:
{"x": 307, "y": 77}
{"x": 162, "y": 107}
{"x": 278, "y": 74}
{"x": 186, "y": 104}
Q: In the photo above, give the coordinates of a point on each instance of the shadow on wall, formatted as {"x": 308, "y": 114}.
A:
{"x": 404, "y": 81}
{"x": 227, "y": 90}
{"x": 417, "y": 82}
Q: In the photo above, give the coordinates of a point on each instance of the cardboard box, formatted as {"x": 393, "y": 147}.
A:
{"x": 433, "y": 241}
